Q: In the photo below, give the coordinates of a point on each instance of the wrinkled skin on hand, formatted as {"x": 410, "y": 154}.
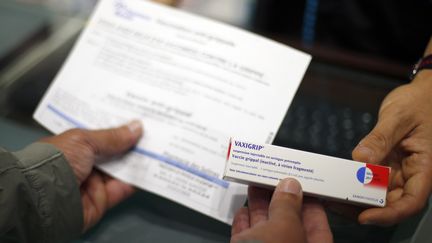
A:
{"x": 82, "y": 148}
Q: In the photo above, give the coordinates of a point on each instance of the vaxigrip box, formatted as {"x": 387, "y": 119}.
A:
{"x": 319, "y": 175}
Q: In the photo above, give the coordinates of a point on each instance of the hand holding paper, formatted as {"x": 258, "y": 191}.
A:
{"x": 194, "y": 83}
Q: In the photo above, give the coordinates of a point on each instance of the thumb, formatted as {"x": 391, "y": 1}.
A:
{"x": 378, "y": 144}
{"x": 110, "y": 142}
{"x": 286, "y": 202}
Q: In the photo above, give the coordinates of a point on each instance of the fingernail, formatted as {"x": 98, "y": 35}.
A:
{"x": 289, "y": 186}
{"x": 366, "y": 152}
{"x": 135, "y": 127}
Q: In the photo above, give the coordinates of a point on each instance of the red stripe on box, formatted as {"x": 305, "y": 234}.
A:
{"x": 229, "y": 150}
{"x": 380, "y": 175}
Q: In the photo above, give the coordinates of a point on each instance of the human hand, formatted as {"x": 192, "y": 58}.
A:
{"x": 402, "y": 139}
{"x": 82, "y": 148}
{"x": 281, "y": 217}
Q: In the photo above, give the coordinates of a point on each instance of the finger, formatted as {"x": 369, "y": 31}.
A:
{"x": 114, "y": 141}
{"x": 117, "y": 191}
{"x": 258, "y": 203}
{"x": 412, "y": 200}
{"x": 241, "y": 221}
{"x": 94, "y": 199}
{"x": 389, "y": 131}
{"x": 95, "y": 189}
{"x": 286, "y": 202}
{"x": 315, "y": 222}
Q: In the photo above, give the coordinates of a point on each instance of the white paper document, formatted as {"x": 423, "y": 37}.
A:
{"x": 193, "y": 83}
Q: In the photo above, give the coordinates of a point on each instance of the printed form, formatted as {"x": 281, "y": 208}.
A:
{"x": 193, "y": 83}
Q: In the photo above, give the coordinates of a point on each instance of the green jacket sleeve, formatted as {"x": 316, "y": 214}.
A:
{"x": 39, "y": 196}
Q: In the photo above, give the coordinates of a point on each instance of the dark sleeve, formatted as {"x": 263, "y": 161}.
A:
{"x": 39, "y": 196}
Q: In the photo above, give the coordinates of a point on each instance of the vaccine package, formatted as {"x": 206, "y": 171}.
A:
{"x": 319, "y": 175}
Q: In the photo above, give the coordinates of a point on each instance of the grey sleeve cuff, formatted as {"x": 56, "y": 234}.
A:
{"x": 54, "y": 190}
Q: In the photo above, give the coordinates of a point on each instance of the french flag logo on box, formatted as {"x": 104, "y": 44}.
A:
{"x": 374, "y": 175}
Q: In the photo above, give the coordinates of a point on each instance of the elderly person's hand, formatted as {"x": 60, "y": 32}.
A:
{"x": 281, "y": 217}
{"x": 82, "y": 148}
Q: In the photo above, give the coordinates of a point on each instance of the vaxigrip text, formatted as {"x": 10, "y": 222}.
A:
{"x": 320, "y": 175}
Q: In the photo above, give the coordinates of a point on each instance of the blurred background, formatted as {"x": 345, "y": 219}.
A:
{"x": 361, "y": 50}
